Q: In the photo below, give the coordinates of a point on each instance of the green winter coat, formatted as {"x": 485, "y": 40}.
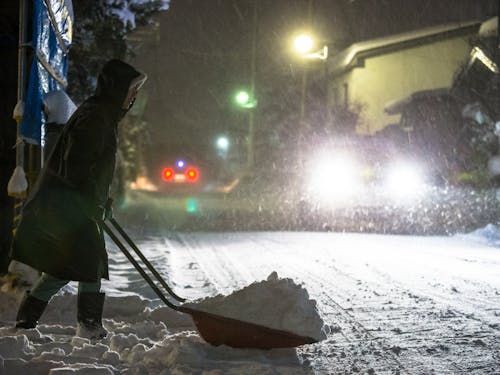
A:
{"x": 59, "y": 233}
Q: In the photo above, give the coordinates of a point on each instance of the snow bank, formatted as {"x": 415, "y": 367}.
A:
{"x": 141, "y": 340}
{"x": 274, "y": 303}
{"x": 490, "y": 234}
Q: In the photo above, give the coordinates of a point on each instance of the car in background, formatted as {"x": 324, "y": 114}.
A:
{"x": 364, "y": 170}
{"x": 180, "y": 174}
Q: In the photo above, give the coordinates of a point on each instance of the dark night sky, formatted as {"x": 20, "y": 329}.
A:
{"x": 205, "y": 54}
{"x": 364, "y": 19}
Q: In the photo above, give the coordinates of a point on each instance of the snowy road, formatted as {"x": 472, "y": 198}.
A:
{"x": 393, "y": 304}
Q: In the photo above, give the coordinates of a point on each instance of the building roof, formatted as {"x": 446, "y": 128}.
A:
{"x": 397, "y": 106}
{"x": 354, "y": 54}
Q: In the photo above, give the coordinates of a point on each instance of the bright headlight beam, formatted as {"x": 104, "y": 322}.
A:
{"x": 404, "y": 180}
{"x": 333, "y": 177}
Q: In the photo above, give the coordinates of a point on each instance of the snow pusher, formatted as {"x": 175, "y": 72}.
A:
{"x": 214, "y": 329}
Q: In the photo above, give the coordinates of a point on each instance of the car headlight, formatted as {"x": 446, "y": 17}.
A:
{"x": 404, "y": 179}
{"x": 333, "y": 177}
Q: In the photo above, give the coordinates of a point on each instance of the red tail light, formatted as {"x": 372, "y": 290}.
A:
{"x": 192, "y": 174}
{"x": 167, "y": 174}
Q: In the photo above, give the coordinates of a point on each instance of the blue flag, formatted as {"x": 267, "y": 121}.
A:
{"x": 52, "y": 36}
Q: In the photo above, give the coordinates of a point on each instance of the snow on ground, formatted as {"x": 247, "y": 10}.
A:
{"x": 391, "y": 305}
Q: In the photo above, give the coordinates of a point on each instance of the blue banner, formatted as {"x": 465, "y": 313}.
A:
{"x": 52, "y": 36}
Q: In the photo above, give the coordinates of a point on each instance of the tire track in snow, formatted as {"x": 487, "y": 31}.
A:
{"x": 385, "y": 344}
{"x": 358, "y": 340}
{"x": 218, "y": 270}
{"x": 450, "y": 365}
{"x": 331, "y": 311}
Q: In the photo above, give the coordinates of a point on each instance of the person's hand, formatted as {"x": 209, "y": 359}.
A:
{"x": 105, "y": 212}
{"x": 108, "y": 209}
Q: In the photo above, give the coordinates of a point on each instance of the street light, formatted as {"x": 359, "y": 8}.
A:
{"x": 244, "y": 100}
{"x": 242, "y": 97}
{"x": 304, "y": 44}
{"x": 222, "y": 143}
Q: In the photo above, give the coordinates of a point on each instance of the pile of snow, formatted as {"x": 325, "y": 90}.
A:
{"x": 141, "y": 340}
{"x": 274, "y": 303}
{"x": 490, "y": 235}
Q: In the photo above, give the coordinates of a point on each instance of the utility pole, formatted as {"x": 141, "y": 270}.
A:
{"x": 496, "y": 58}
{"x": 303, "y": 87}
{"x": 328, "y": 116}
{"x": 18, "y": 185}
{"x": 498, "y": 33}
{"x": 251, "y": 116}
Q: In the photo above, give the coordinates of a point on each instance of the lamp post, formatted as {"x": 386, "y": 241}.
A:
{"x": 222, "y": 145}
{"x": 305, "y": 46}
{"x": 244, "y": 99}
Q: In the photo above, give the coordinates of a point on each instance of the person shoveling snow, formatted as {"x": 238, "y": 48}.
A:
{"x": 58, "y": 233}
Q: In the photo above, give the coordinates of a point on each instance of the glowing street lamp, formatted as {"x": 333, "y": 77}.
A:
{"x": 222, "y": 143}
{"x": 222, "y": 146}
{"x": 304, "y": 45}
{"x": 244, "y": 100}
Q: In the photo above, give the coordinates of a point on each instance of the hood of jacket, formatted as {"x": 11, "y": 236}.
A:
{"x": 113, "y": 83}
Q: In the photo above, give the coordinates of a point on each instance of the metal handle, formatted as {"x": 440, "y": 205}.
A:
{"x": 137, "y": 266}
{"x": 145, "y": 261}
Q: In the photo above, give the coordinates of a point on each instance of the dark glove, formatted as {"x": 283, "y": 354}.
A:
{"x": 106, "y": 210}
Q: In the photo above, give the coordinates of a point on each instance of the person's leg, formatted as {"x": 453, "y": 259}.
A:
{"x": 46, "y": 287}
{"x": 34, "y": 303}
{"x": 94, "y": 287}
{"x": 90, "y": 306}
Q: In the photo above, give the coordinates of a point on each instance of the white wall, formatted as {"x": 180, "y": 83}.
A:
{"x": 395, "y": 75}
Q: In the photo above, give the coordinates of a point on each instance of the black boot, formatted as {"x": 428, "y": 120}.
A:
{"x": 89, "y": 316}
{"x": 30, "y": 310}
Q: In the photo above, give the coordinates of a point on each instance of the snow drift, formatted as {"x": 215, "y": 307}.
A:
{"x": 274, "y": 303}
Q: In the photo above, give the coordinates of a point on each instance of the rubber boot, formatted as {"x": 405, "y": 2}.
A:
{"x": 89, "y": 316}
{"x": 30, "y": 310}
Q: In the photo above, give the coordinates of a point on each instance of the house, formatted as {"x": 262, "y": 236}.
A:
{"x": 370, "y": 75}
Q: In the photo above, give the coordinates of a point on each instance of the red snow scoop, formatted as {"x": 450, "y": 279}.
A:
{"x": 215, "y": 329}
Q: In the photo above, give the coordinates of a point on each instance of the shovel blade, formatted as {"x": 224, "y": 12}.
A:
{"x": 219, "y": 330}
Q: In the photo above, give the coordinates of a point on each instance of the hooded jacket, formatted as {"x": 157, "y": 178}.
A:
{"x": 59, "y": 233}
